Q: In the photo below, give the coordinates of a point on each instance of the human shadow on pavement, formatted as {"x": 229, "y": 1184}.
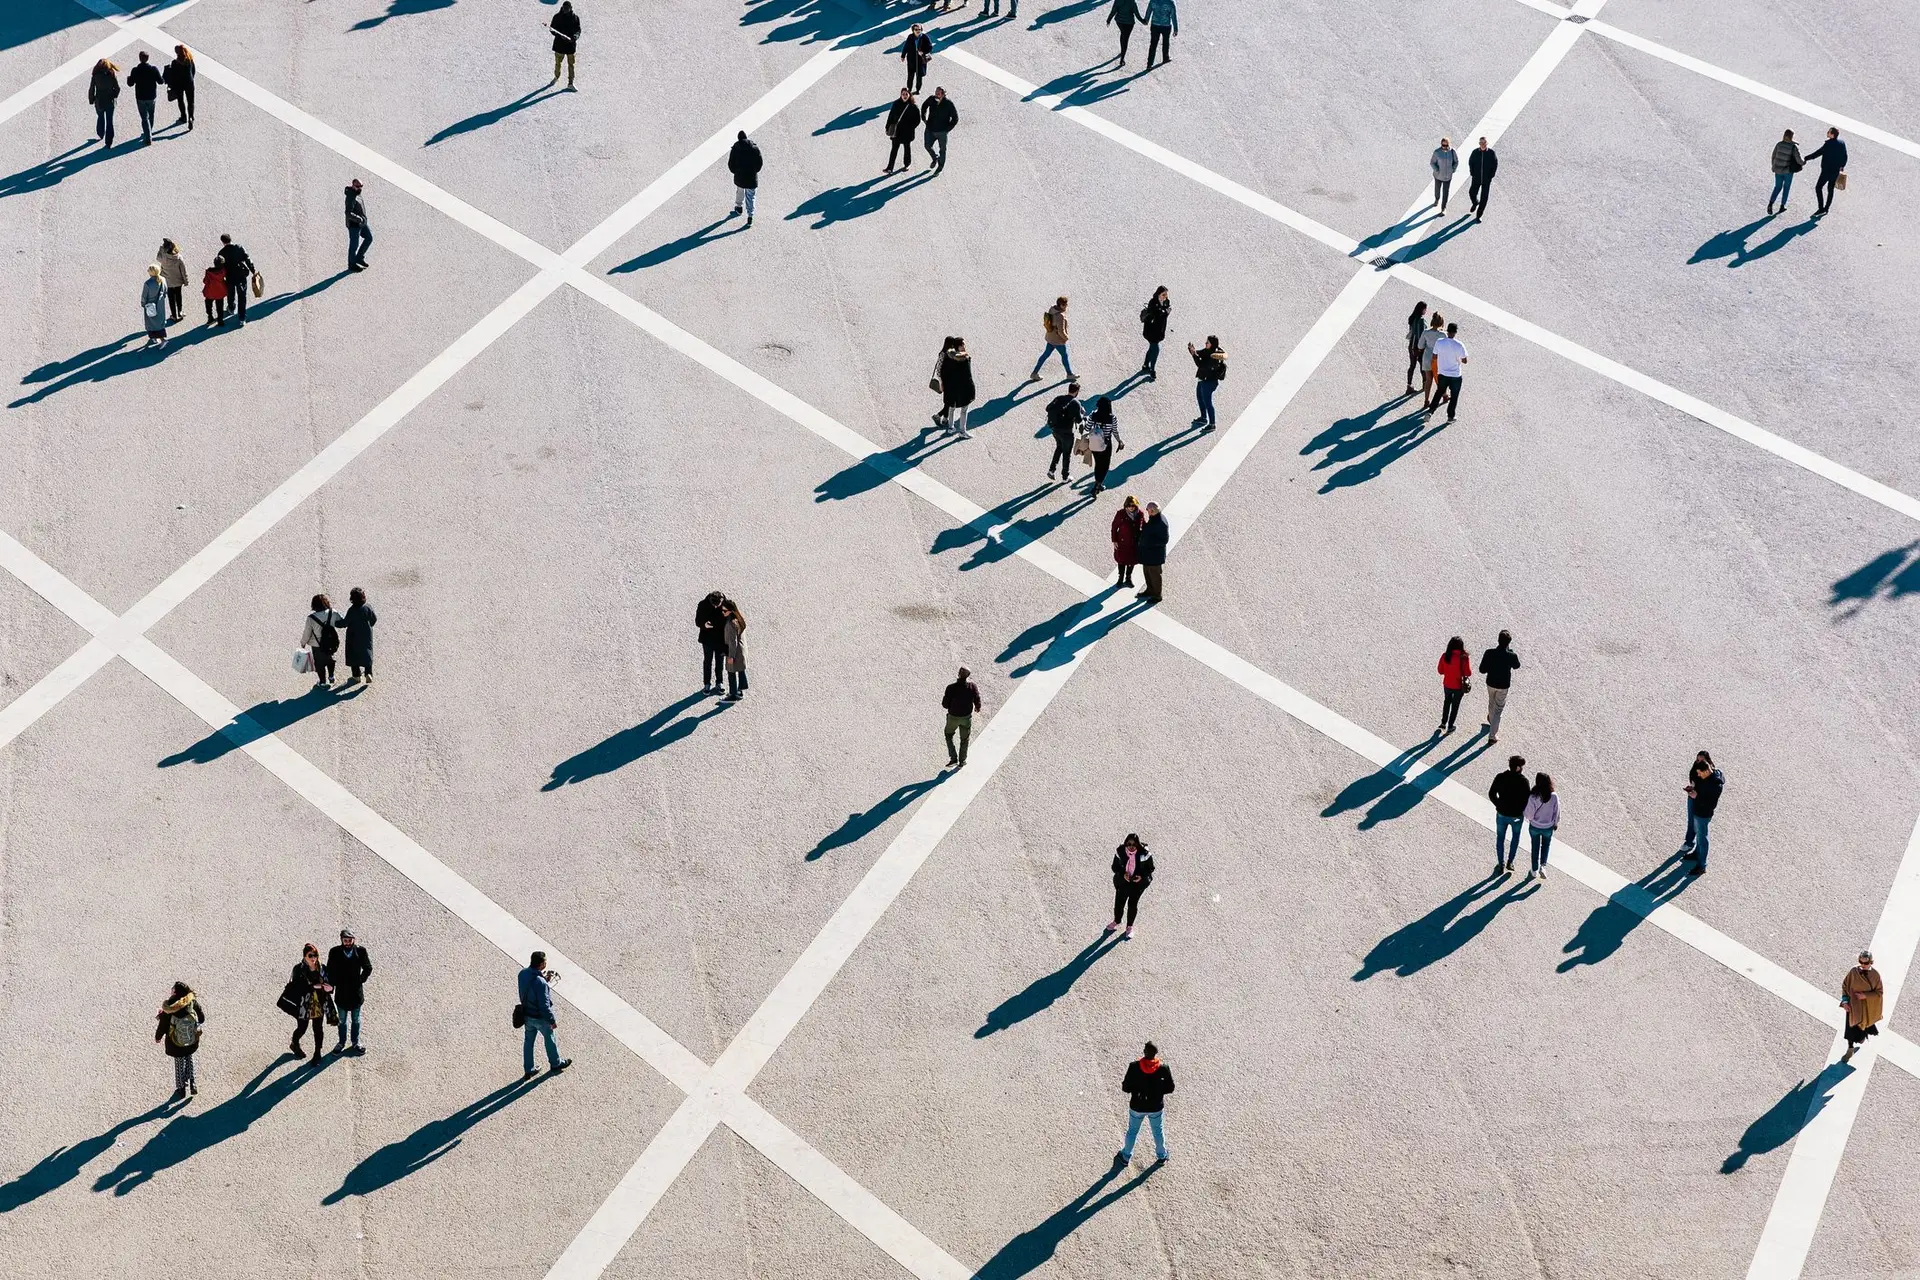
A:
{"x": 660, "y": 730}
{"x": 1065, "y": 12}
{"x": 685, "y": 244}
{"x": 1602, "y": 932}
{"x": 816, "y": 21}
{"x": 1783, "y": 1121}
{"x": 401, "y": 9}
{"x": 1887, "y": 576}
{"x": 494, "y": 115}
{"x": 1387, "y": 235}
{"x": 876, "y": 469}
{"x": 859, "y": 825}
{"x": 854, "y": 117}
{"x": 1061, "y": 638}
{"x": 1732, "y": 245}
{"x": 1364, "y": 791}
{"x": 1043, "y": 992}
{"x": 426, "y": 1144}
{"x": 1034, "y": 1247}
{"x": 1011, "y": 534}
{"x": 1370, "y": 442}
{"x": 1139, "y": 462}
{"x": 1084, "y": 87}
{"x": 57, "y": 169}
{"x": 858, "y": 199}
{"x": 1421, "y": 248}
{"x": 189, "y": 1133}
{"x": 1007, "y": 401}
{"x": 261, "y": 719}
{"x": 1445, "y": 929}
{"x": 25, "y": 23}
{"x": 1411, "y": 790}
{"x": 60, "y": 1167}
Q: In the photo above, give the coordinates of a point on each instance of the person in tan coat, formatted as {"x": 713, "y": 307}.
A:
{"x": 1861, "y": 994}
{"x": 1054, "y": 322}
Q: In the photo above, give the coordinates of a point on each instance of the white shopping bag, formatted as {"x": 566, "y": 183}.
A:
{"x": 302, "y": 661}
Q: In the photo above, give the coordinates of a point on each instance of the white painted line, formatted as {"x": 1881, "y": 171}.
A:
{"x": 51, "y": 689}
{"x": 81, "y": 63}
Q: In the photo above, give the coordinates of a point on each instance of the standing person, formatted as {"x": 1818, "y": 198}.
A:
{"x": 1456, "y": 677}
{"x": 1543, "y": 819}
{"x": 1509, "y": 794}
{"x": 1103, "y": 437}
{"x": 1832, "y": 155}
{"x": 1053, "y": 323}
{"x": 1498, "y": 665}
{"x": 359, "y": 623}
{"x": 733, "y": 633}
{"x": 1482, "y": 164}
{"x": 956, "y": 386}
{"x": 991, "y": 9}
{"x": 916, "y": 53}
{"x": 213, "y": 292}
{"x": 1124, "y": 14}
{"x": 320, "y": 637}
{"x": 1163, "y": 24}
{"x": 173, "y": 274}
{"x": 941, "y": 117}
{"x": 1150, "y": 544}
{"x": 1064, "y": 416}
{"x": 237, "y": 266}
{"x": 1449, "y": 366}
{"x": 1132, "y": 873}
{"x": 307, "y": 999}
{"x": 180, "y": 75}
{"x": 566, "y": 42}
{"x": 961, "y": 699}
{"x": 1785, "y": 163}
{"x": 178, "y": 1028}
{"x": 1416, "y": 327}
{"x": 536, "y": 1008}
{"x": 1863, "y": 996}
{"x": 1443, "y": 162}
{"x": 1125, "y": 532}
{"x": 359, "y": 231}
{"x": 1147, "y": 1084}
{"x": 744, "y": 162}
{"x": 153, "y": 306}
{"x": 1209, "y": 371}
{"x": 348, "y": 968}
{"x": 103, "y": 91}
{"x": 1153, "y": 327}
{"x": 710, "y": 623}
{"x": 1704, "y": 785}
{"x": 903, "y": 117}
{"x": 1435, "y": 330}
{"x": 144, "y": 79}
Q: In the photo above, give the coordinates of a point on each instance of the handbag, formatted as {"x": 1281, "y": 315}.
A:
{"x": 1083, "y": 448}
{"x": 1840, "y": 181}
{"x": 289, "y": 1001}
{"x": 519, "y": 1015}
{"x": 933, "y": 384}
{"x": 259, "y": 285}
{"x": 303, "y": 662}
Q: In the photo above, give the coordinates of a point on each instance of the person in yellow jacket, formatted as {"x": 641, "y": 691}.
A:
{"x": 1862, "y": 995}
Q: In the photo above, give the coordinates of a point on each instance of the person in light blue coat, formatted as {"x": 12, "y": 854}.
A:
{"x": 536, "y": 1007}
{"x": 153, "y": 306}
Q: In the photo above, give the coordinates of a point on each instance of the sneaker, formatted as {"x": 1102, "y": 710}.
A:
{"x": 1128, "y": 935}
{"x": 563, "y": 1064}
{"x": 1110, "y": 928}
{"x": 528, "y": 1075}
{"x": 1121, "y": 1157}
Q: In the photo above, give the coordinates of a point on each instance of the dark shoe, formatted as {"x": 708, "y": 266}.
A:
{"x": 562, "y": 1065}
{"x": 179, "y": 1095}
{"x": 293, "y": 1047}
{"x": 528, "y": 1075}
{"x": 1697, "y": 870}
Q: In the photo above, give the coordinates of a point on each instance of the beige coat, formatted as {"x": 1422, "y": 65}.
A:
{"x": 173, "y": 271}
{"x": 1055, "y": 323}
{"x": 1863, "y": 994}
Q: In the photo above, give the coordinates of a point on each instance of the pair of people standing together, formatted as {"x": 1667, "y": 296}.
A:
{"x": 1140, "y": 540}
{"x": 320, "y": 639}
{"x": 723, "y": 645}
{"x": 1456, "y": 680}
{"x": 1516, "y": 803}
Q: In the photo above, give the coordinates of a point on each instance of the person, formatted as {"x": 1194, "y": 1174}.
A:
{"x": 359, "y": 622}
{"x": 1125, "y": 532}
{"x": 1482, "y": 164}
{"x": 1153, "y": 327}
{"x": 1863, "y": 996}
{"x": 153, "y": 306}
{"x": 536, "y": 1005}
{"x": 961, "y": 699}
{"x": 1832, "y": 155}
{"x": 1053, "y": 322}
{"x": 1498, "y": 665}
{"x": 1416, "y": 329}
{"x": 1150, "y": 544}
{"x": 903, "y": 117}
{"x": 1456, "y": 677}
{"x": 173, "y": 274}
{"x": 1064, "y": 416}
{"x": 743, "y": 162}
{"x": 359, "y": 232}
{"x": 1705, "y": 782}
{"x": 1785, "y": 163}
{"x": 1443, "y": 162}
{"x": 1449, "y": 366}
{"x": 1103, "y": 437}
{"x": 956, "y": 387}
{"x": 320, "y": 638}
{"x": 916, "y": 53}
{"x": 1209, "y": 371}
{"x": 307, "y": 998}
{"x": 103, "y": 91}
{"x": 566, "y": 41}
{"x": 941, "y": 116}
{"x": 179, "y": 76}
{"x": 1132, "y": 874}
{"x": 238, "y": 266}
{"x": 733, "y": 633}
{"x": 213, "y": 292}
{"x": 144, "y": 79}
{"x": 1543, "y": 818}
{"x": 1147, "y": 1084}
{"x": 1435, "y": 330}
{"x": 1509, "y": 794}
{"x": 1124, "y": 14}
{"x": 1163, "y": 24}
{"x": 709, "y": 623}
{"x": 348, "y": 968}
{"x": 177, "y": 1027}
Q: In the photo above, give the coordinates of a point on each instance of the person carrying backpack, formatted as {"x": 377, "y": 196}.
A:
{"x": 1064, "y": 416}
{"x": 1209, "y": 371}
{"x": 178, "y": 1028}
{"x": 321, "y": 639}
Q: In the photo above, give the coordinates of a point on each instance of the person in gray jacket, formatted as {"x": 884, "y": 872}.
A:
{"x": 1786, "y": 163}
{"x": 153, "y": 307}
{"x": 1443, "y": 162}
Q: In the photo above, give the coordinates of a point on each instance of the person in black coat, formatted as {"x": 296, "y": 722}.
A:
{"x": 348, "y": 968}
{"x": 1832, "y": 155}
{"x": 145, "y": 80}
{"x": 359, "y": 626}
{"x": 916, "y": 53}
{"x": 941, "y": 117}
{"x": 178, "y": 1028}
{"x": 1065, "y": 413}
{"x": 903, "y": 118}
{"x": 103, "y": 91}
{"x": 238, "y": 267}
{"x": 1482, "y": 164}
{"x": 359, "y": 230}
{"x": 306, "y": 1000}
{"x": 1151, "y": 546}
{"x": 566, "y": 40}
{"x": 744, "y": 162}
{"x": 179, "y": 76}
{"x": 1153, "y": 327}
{"x": 710, "y": 623}
{"x": 1132, "y": 873}
{"x": 1146, "y": 1084}
{"x": 956, "y": 387}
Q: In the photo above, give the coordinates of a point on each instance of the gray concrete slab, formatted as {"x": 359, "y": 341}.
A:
{"x": 37, "y": 638}
{"x": 1870, "y": 1224}
{"x": 37, "y": 36}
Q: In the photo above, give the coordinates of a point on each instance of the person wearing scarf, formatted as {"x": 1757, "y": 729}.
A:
{"x": 181, "y": 1039}
{"x": 1147, "y": 1084}
{"x": 1132, "y": 873}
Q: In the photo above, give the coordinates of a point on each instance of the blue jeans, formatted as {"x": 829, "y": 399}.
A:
{"x": 1133, "y": 1131}
{"x": 1052, "y": 347}
{"x": 103, "y": 122}
{"x": 1502, "y": 824}
{"x": 1204, "y": 390}
{"x": 349, "y": 1018}
{"x": 1782, "y": 183}
{"x": 543, "y": 1028}
{"x": 359, "y": 239}
{"x": 1697, "y": 835}
{"x": 1542, "y": 838}
{"x": 145, "y": 107}
{"x": 1152, "y": 363}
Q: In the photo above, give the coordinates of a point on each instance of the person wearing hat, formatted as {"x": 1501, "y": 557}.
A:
{"x": 1862, "y": 995}
{"x": 1132, "y": 873}
{"x": 960, "y": 699}
{"x": 359, "y": 234}
{"x": 348, "y": 968}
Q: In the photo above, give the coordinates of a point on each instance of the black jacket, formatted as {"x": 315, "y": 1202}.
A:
{"x": 902, "y": 119}
{"x": 744, "y": 162}
{"x": 1482, "y": 165}
{"x": 160, "y": 1031}
{"x": 1150, "y": 544}
{"x": 941, "y": 115}
{"x": 566, "y": 32}
{"x": 1706, "y": 792}
{"x": 917, "y": 50}
{"x": 1064, "y": 413}
{"x": 1148, "y": 1092}
{"x": 956, "y": 379}
{"x": 962, "y": 698}
{"x": 1210, "y": 364}
{"x": 360, "y": 620}
{"x": 1498, "y": 665}
{"x": 145, "y": 79}
{"x": 711, "y": 624}
{"x": 237, "y": 263}
{"x": 356, "y": 211}
{"x": 180, "y": 73}
{"x": 1142, "y": 866}
{"x": 103, "y": 88}
{"x": 304, "y": 983}
{"x": 1153, "y": 319}
{"x": 349, "y": 976}
{"x": 1832, "y": 155}
{"x": 1509, "y": 793}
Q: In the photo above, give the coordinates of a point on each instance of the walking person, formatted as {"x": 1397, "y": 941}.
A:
{"x": 1132, "y": 873}
{"x": 941, "y": 116}
{"x": 1498, "y": 665}
{"x": 237, "y": 266}
{"x": 1209, "y": 371}
{"x": 1150, "y": 544}
{"x": 1482, "y": 164}
{"x": 710, "y": 623}
{"x": 1863, "y": 995}
{"x": 213, "y": 292}
{"x": 1543, "y": 819}
{"x": 348, "y": 968}
{"x": 359, "y": 231}
{"x": 1153, "y": 327}
{"x": 566, "y": 40}
{"x": 1053, "y": 323}
{"x": 1449, "y": 367}
{"x": 1443, "y": 162}
{"x": 1509, "y": 793}
{"x": 1436, "y": 329}
{"x": 173, "y": 274}
{"x": 359, "y": 621}
{"x": 178, "y": 1028}
{"x": 180, "y": 75}
{"x": 308, "y": 999}
{"x": 153, "y": 306}
{"x": 1456, "y": 678}
{"x": 1705, "y": 782}
{"x": 1163, "y": 24}
{"x": 903, "y": 118}
{"x": 1146, "y": 1084}
{"x": 1125, "y": 533}
{"x": 744, "y": 162}
{"x": 144, "y": 79}
{"x": 1103, "y": 438}
{"x": 916, "y": 52}
{"x": 1416, "y": 328}
{"x": 1832, "y": 155}
{"x": 1785, "y": 163}
{"x": 1065, "y": 414}
{"x": 961, "y": 699}
{"x": 536, "y": 1014}
{"x": 103, "y": 91}
{"x": 320, "y": 637}
{"x": 1124, "y": 14}
{"x": 956, "y": 387}
{"x": 733, "y": 634}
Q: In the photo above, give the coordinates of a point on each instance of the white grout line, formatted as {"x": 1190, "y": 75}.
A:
{"x": 1801, "y": 1200}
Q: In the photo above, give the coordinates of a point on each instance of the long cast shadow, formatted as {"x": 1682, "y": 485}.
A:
{"x": 1732, "y": 244}
{"x": 1061, "y": 638}
{"x": 426, "y": 1144}
{"x": 1064, "y": 13}
{"x": 853, "y": 118}
{"x": 857, "y": 199}
{"x": 1035, "y": 1246}
{"x": 1783, "y": 1121}
{"x": 57, "y": 169}
{"x": 1443, "y": 930}
{"x": 859, "y": 825}
{"x": 259, "y": 720}
{"x": 25, "y": 23}
{"x": 685, "y": 244}
{"x": 1043, "y": 992}
{"x": 1421, "y": 248}
{"x": 494, "y": 115}
{"x": 874, "y": 470}
{"x": 1887, "y": 576}
{"x": 1084, "y": 87}
{"x": 58, "y": 1168}
{"x": 1371, "y": 442}
{"x": 816, "y": 21}
{"x": 1145, "y": 460}
{"x": 1007, "y": 401}
{"x": 1014, "y": 534}
{"x": 661, "y": 729}
{"x": 1602, "y": 932}
{"x": 1387, "y": 235}
{"x": 401, "y": 9}
{"x": 1412, "y": 789}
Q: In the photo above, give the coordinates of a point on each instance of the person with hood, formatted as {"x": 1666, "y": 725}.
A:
{"x": 103, "y": 91}
{"x": 179, "y": 75}
{"x": 144, "y": 79}
{"x": 1150, "y": 545}
{"x": 1125, "y": 533}
{"x": 566, "y": 40}
{"x": 359, "y": 232}
{"x": 153, "y": 306}
{"x": 320, "y": 637}
{"x": 734, "y": 633}
{"x": 173, "y": 274}
{"x": 1146, "y": 1084}
{"x": 1863, "y": 995}
{"x": 710, "y": 623}
{"x": 1132, "y": 874}
{"x": 1443, "y": 162}
{"x": 178, "y": 1028}
{"x": 1704, "y": 785}
{"x": 956, "y": 387}
{"x": 348, "y": 968}
{"x": 903, "y": 119}
{"x": 941, "y": 117}
{"x": 743, "y": 162}
{"x": 359, "y": 624}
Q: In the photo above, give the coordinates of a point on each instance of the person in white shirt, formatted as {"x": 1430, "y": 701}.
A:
{"x": 1449, "y": 361}
{"x": 1443, "y": 162}
{"x": 1423, "y": 351}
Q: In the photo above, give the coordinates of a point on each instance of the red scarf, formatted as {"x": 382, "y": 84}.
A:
{"x": 1149, "y": 1065}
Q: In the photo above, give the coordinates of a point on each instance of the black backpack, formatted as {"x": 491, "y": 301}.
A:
{"x": 329, "y": 640}
{"x": 1216, "y": 368}
{"x": 1060, "y": 413}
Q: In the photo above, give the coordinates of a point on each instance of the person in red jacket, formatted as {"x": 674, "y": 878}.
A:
{"x": 1125, "y": 531}
{"x": 1147, "y": 1084}
{"x": 1456, "y": 677}
{"x": 213, "y": 290}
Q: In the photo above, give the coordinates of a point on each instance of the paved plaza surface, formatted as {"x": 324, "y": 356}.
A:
{"x": 836, "y": 1011}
